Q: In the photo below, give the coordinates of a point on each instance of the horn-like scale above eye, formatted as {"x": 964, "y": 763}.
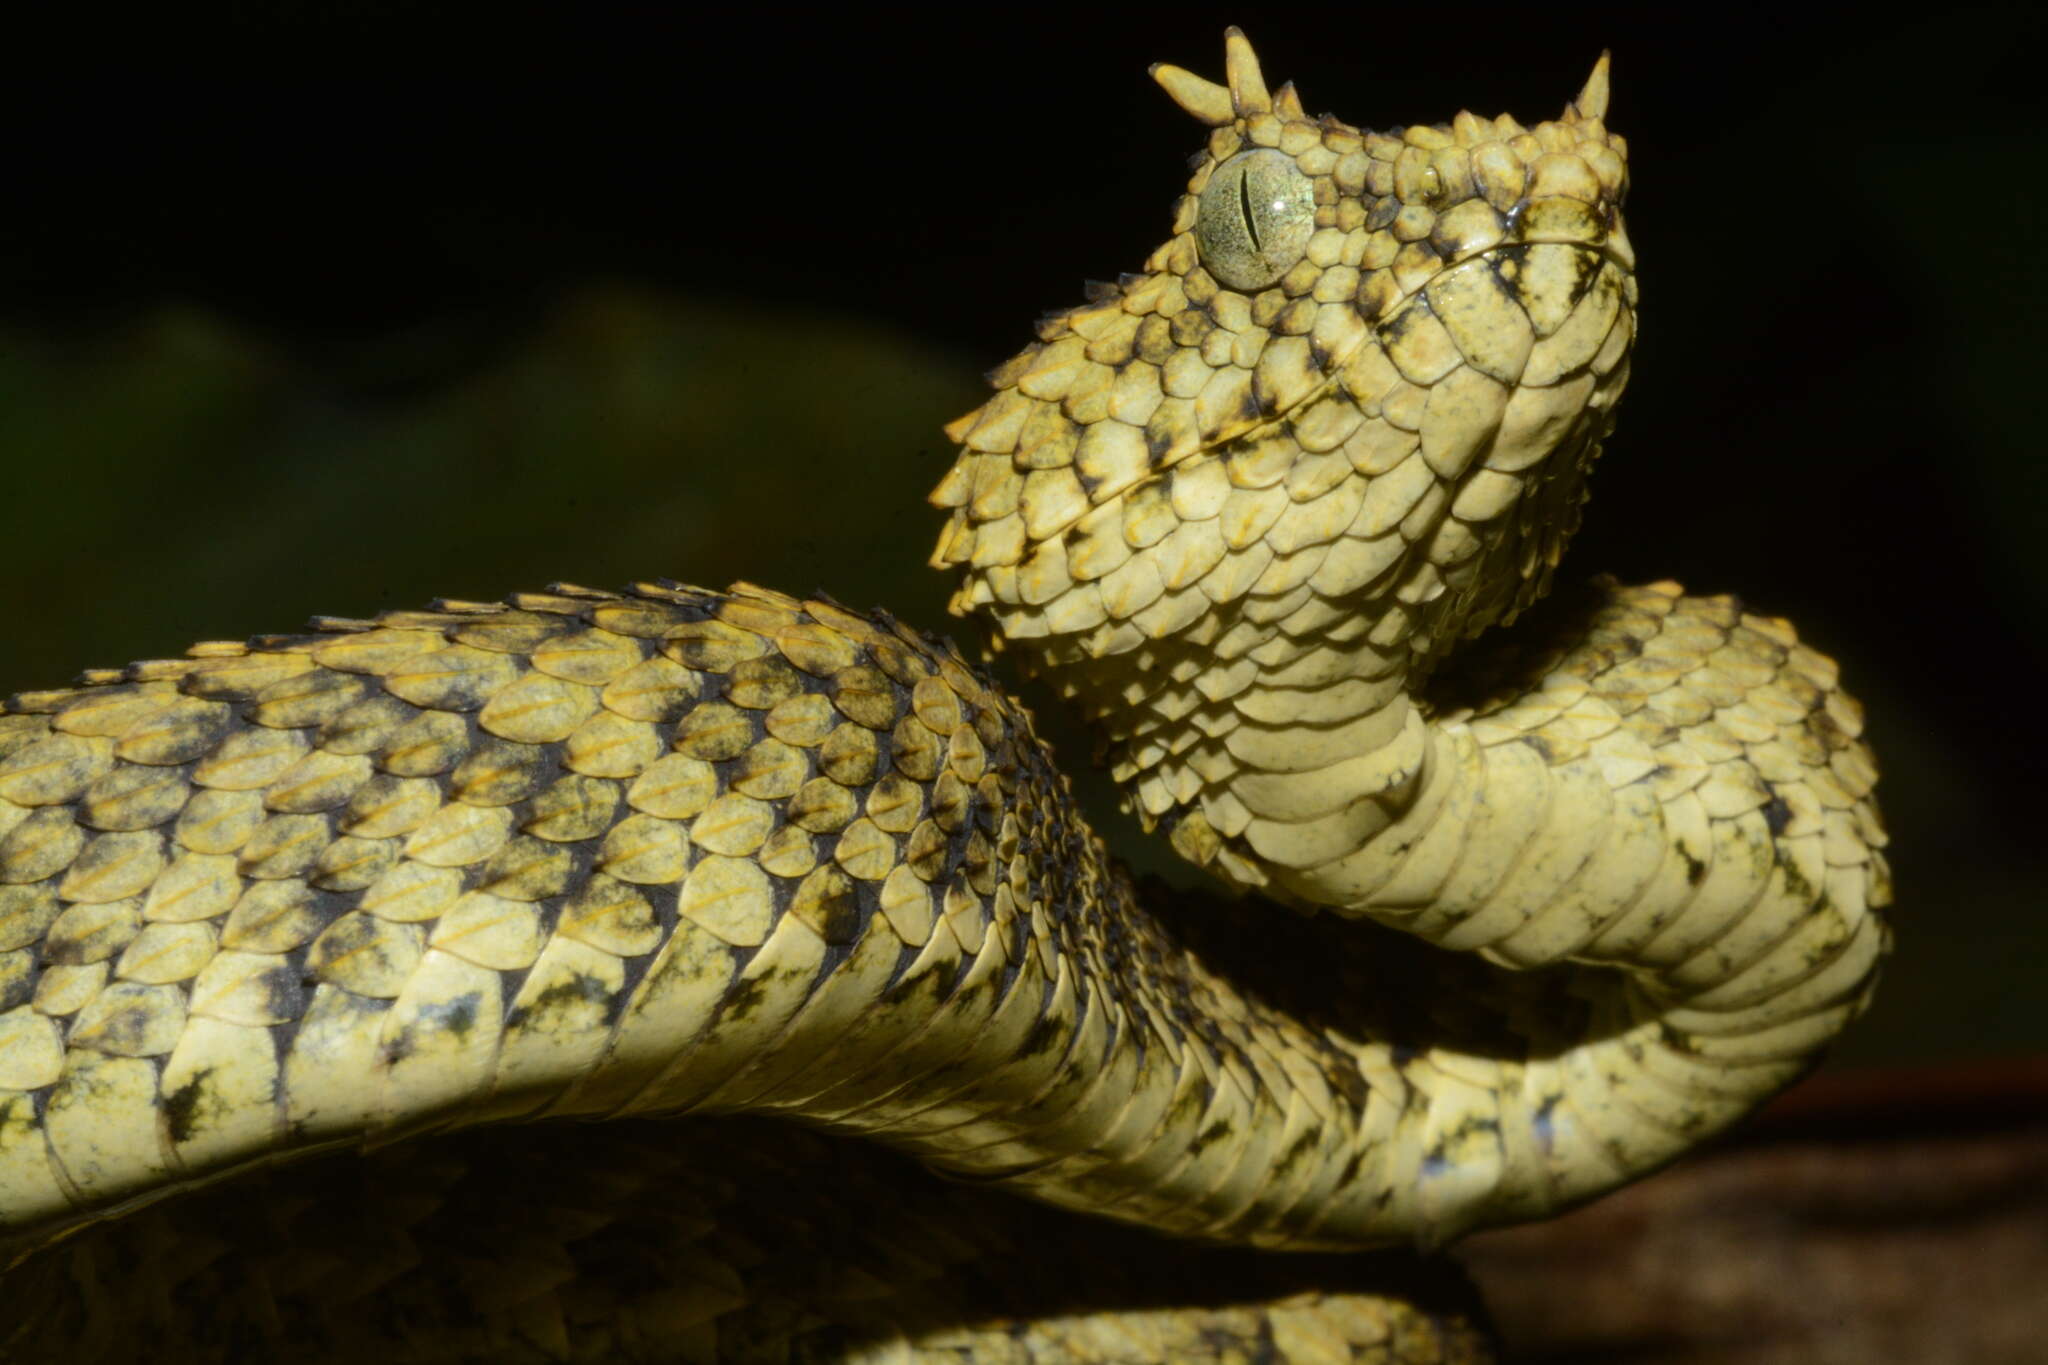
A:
{"x": 1257, "y": 214}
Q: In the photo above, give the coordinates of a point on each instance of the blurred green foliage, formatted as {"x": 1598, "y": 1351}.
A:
{"x": 183, "y": 477}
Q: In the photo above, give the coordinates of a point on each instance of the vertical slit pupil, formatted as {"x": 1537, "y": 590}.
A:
{"x": 1244, "y": 207}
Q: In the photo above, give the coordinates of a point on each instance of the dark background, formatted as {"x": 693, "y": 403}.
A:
{"x": 334, "y": 311}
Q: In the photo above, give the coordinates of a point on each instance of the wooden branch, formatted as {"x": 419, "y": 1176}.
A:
{"x": 1866, "y": 1218}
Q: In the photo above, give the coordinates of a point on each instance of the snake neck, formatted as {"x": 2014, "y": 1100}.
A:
{"x": 1291, "y": 697}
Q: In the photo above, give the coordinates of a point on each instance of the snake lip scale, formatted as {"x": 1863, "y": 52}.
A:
{"x": 1277, "y": 513}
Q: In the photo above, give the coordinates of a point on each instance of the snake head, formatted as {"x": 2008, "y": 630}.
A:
{"x": 1336, "y": 424}
{"x": 1364, "y": 376}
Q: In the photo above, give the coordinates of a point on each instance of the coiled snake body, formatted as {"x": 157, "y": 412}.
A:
{"x": 671, "y": 851}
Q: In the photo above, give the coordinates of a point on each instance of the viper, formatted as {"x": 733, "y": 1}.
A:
{"x": 895, "y": 1060}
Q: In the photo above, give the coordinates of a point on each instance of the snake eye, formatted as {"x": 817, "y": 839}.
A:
{"x": 1257, "y": 213}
